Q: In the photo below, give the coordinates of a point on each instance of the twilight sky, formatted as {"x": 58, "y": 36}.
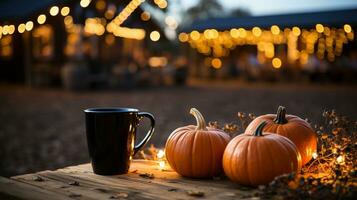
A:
{"x": 267, "y": 7}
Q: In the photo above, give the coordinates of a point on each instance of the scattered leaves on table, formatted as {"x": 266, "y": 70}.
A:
{"x": 119, "y": 195}
{"x": 147, "y": 175}
{"x": 195, "y": 193}
{"x": 74, "y": 195}
{"x": 37, "y": 178}
{"x": 74, "y": 183}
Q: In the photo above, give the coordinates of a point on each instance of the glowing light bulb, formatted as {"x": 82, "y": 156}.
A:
{"x": 183, "y": 37}
{"x": 347, "y": 28}
{"x": 160, "y": 154}
{"x": 319, "y": 28}
{"x": 276, "y": 62}
{"x": 41, "y": 19}
{"x": 162, "y": 165}
{"x": 84, "y": 3}
{"x": 21, "y": 28}
{"x": 65, "y": 11}
{"x": 340, "y": 159}
{"x": 296, "y": 31}
{"x": 216, "y": 63}
{"x": 314, "y": 155}
{"x": 154, "y": 36}
{"x": 275, "y": 30}
{"x": 54, "y": 10}
{"x": 256, "y": 31}
{"x": 29, "y": 26}
{"x": 195, "y": 35}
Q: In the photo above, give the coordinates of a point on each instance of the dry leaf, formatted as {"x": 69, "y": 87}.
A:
{"x": 195, "y": 193}
{"x": 147, "y": 175}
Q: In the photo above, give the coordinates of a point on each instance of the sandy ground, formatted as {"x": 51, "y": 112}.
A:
{"x": 44, "y": 128}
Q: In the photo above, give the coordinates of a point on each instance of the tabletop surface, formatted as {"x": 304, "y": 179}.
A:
{"x": 145, "y": 180}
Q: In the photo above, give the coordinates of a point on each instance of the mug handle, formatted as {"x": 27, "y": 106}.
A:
{"x": 149, "y": 133}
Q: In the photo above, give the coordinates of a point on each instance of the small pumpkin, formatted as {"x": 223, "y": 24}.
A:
{"x": 196, "y": 151}
{"x": 256, "y": 159}
{"x": 296, "y": 129}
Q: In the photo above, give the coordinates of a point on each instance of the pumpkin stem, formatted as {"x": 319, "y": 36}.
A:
{"x": 280, "y": 116}
{"x": 201, "y": 123}
{"x": 259, "y": 131}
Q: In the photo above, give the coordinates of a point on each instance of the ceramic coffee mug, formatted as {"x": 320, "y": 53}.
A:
{"x": 111, "y": 134}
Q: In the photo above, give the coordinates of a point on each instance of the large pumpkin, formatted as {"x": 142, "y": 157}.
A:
{"x": 256, "y": 159}
{"x": 296, "y": 129}
{"x": 196, "y": 151}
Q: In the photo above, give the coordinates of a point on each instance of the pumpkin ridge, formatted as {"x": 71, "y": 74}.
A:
{"x": 213, "y": 153}
{"x": 173, "y": 149}
{"x": 247, "y": 154}
{"x": 270, "y": 141}
{"x": 193, "y": 144}
{"x": 233, "y": 156}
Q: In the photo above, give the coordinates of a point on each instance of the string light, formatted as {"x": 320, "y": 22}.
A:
{"x": 275, "y": 30}
{"x": 347, "y": 28}
{"x": 21, "y": 28}
{"x": 296, "y": 31}
{"x": 41, "y": 19}
{"x": 65, "y": 11}
{"x": 29, "y": 26}
{"x": 256, "y": 31}
{"x": 145, "y": 16}
{"x": 216, "y": 63}
{"x": 183, "y": 37}
{"x": 154, "y": 36}
{"x": 54, "y": 10}
{"x": 276, "y": 62}
{"x": 319, "y": 28}
{"x": 11, "y": 29}
{"x": 84, "y": 3}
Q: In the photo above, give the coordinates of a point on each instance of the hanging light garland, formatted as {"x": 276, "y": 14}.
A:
{"x": 217, "y": 44}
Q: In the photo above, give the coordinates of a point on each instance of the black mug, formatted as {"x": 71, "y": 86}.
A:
{"x": 111, "y": 134}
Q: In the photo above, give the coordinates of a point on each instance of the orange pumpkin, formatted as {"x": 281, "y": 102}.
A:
{"x": 196, "y": 151}
{"x": 256, "y": 159}
{"x": 296, "y": 129}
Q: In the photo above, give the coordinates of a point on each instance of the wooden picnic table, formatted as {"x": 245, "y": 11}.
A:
{"x": 144, "y": 181}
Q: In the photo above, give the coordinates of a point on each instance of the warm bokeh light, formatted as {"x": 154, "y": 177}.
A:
{"x": 11, "y": 29}
{"x": 154, "y": 36}
{"x": 275, "y": 30}
{"x": 276, "y": 62}
{"x": 256, "y": 31}
{"x": 54, "y": 10}
{"x": 161, "y": 3}
{"x": 195, "y": 35}
{"x": 183, "y": 37}
{"x": 29, "y": 26}
{"x": 347, "y": 28}
{"x": 145, "y": 16}
{"x": 5, "y": 30}
{"x": 101, "y": 4}
{"x": 41, "y": 19}
{"x": 21, "y": 28}
{"x": 109, "y": 39}
{"x": 242, "y": 32}
{"x": 296, "y": 31}
{"x": 216, "y": 63}
{"x": 234, "y": 33}
{"x": 84, "y": 3}
{"x": 319, "y": 28}
{"x": 65, "y": 11}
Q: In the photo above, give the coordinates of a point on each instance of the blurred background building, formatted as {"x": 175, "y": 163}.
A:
{"x": 106, "y": 43}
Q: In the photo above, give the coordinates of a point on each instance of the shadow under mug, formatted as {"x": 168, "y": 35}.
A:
{"x": 111, "y": 134}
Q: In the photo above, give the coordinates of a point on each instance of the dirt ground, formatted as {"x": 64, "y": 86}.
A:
{"x": 44, "y": 128}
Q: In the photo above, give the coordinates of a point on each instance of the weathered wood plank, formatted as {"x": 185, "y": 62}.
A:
{"x": 166, "y": 184}
{"x": 27, "y": 191}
